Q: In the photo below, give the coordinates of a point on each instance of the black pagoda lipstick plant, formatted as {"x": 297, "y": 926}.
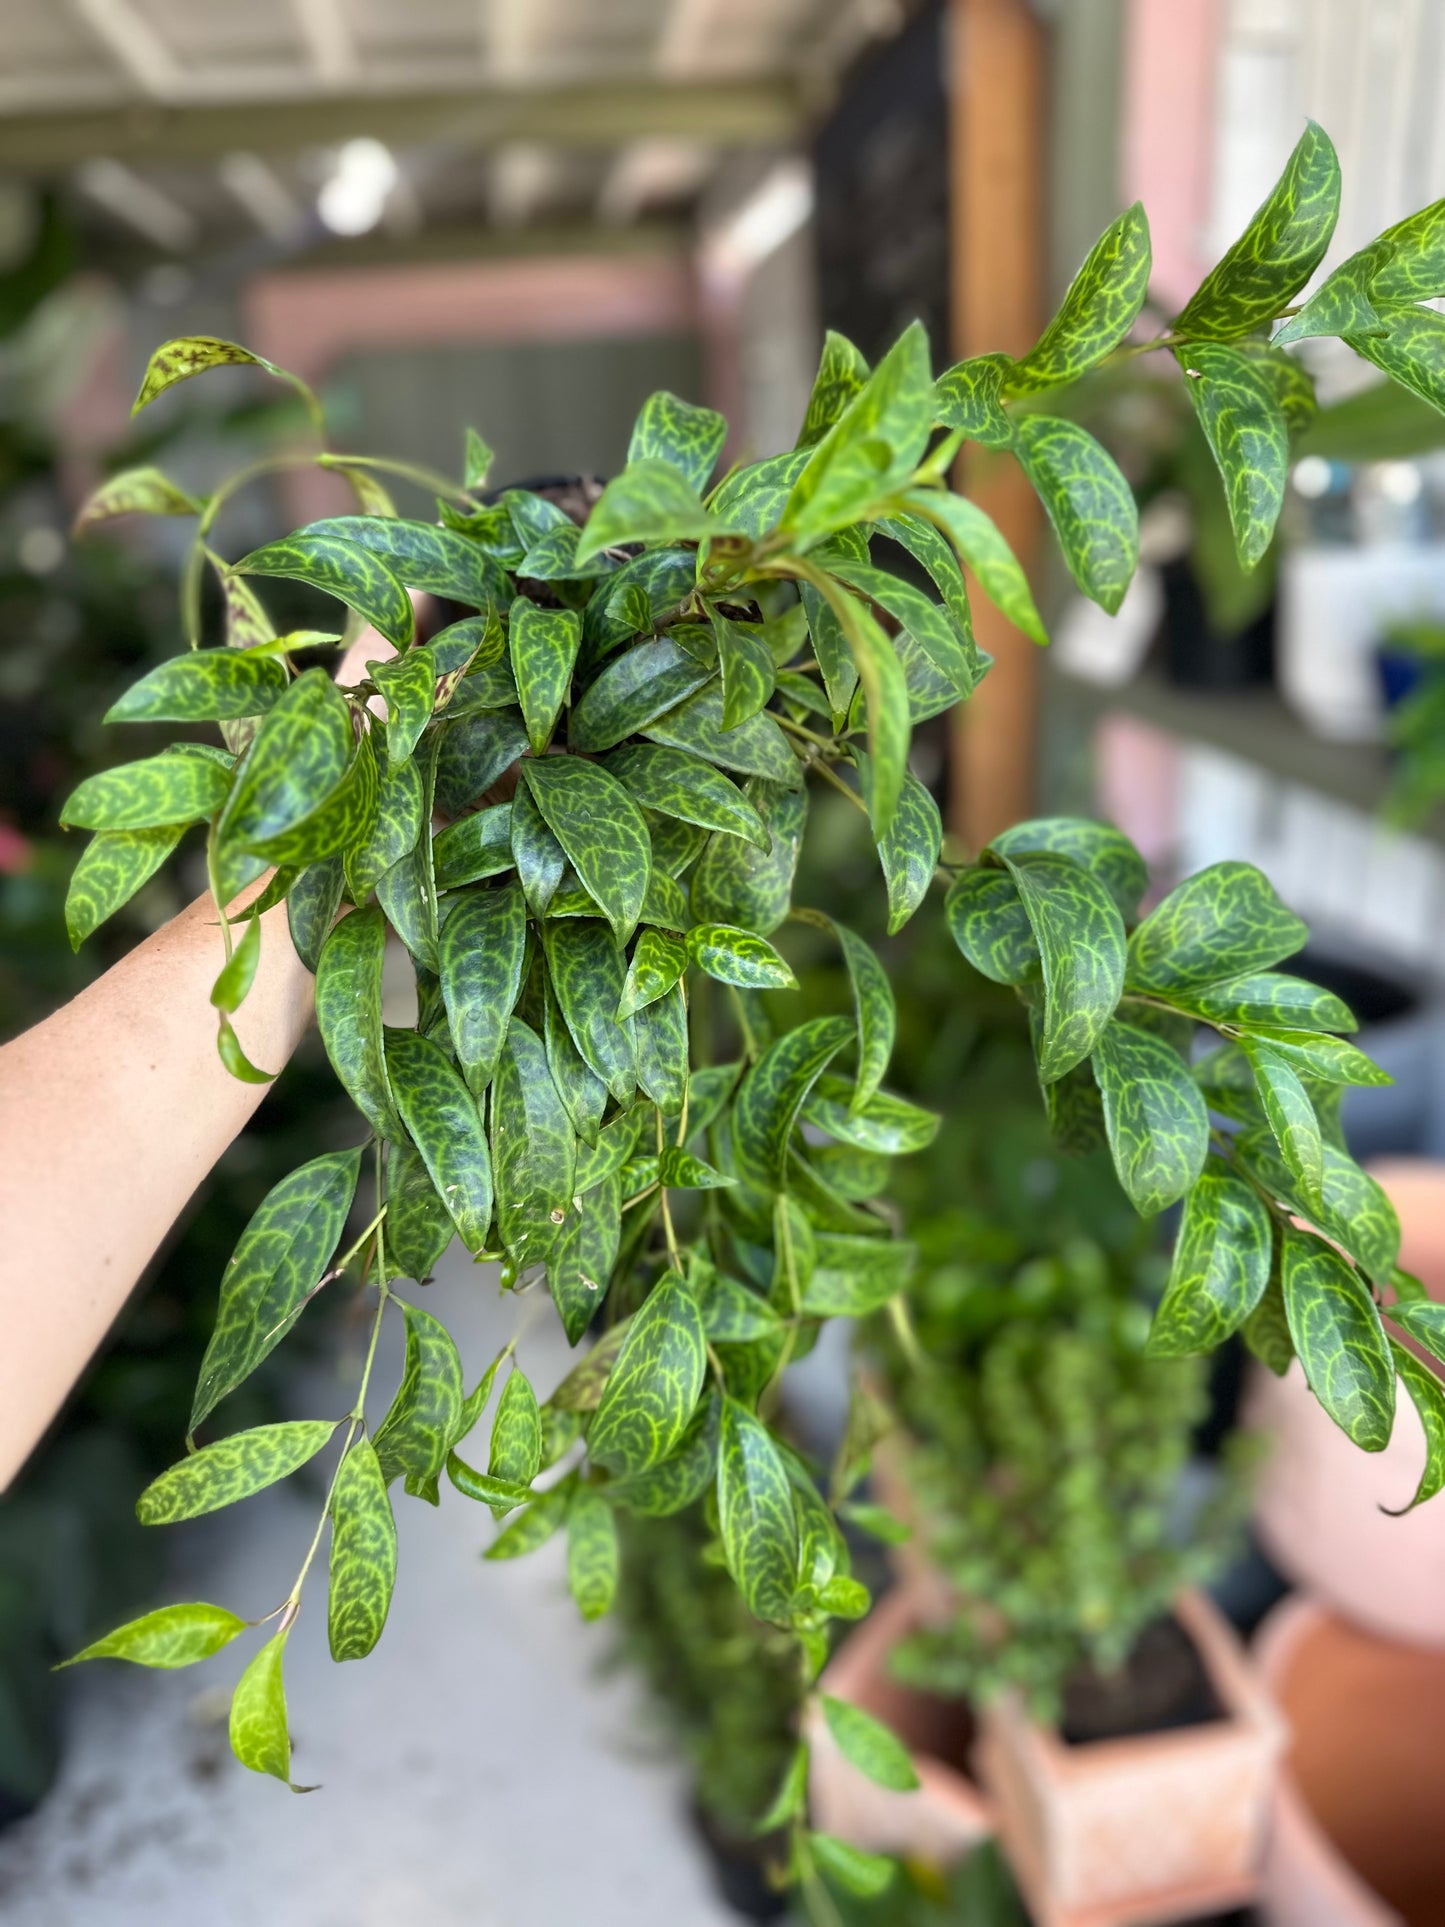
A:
{"x": 580, "y": 808}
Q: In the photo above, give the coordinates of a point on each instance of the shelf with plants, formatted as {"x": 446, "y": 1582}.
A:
{"x": 580, "y": 810}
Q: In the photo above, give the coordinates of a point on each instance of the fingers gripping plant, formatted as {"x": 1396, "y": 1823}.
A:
{"x": 620, "y": 745}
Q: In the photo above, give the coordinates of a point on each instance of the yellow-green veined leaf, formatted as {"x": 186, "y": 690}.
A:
{"x": 588, "y": 973}
{"x": 536, "y": 1524}
{"x": 856, "y": 1871}
{"x": 206, "y": 685}
{"x": 427, "y": 1416}
{"x": 499, "y": 1494}
{"x": 419, "y": 554}
{"x": 112, "y": 867}
{"x": 1278, "y": 251}
{"x": 1105, "y": 852}
{"x": 278, "y": 1262}
{"x": 1089, "y": 503}
{"x": 736, "y": 956}
{"x": 602, "y": 831}
{"x": 680, "y": 1170}
{"x": 1247, "y": 434}
{"x": 408, "y": 683}
{"x": 160, "y": 792}
{"x": 671, "y": 430}
{"x": 755, "y": 1514}
{"x": 294, "y": 767}
{"x": 946, "y": 640}
{"x": 653, "y": 1389}
{"x": 885, "y": 692}
{"x": 1269, "y": 998}
{"x": 516, "y": 1454}
{"x": 234, "y": 1058}
{"x": 442, "y": 1118}
{"x": 980, "y": 544}
{"x": 679, "y": 785}
{"x": 888, "y": 1124}
{"x": 869, "y": 1745}
{"x": 756, "y": 747}
{"x": 650, "y": 502}
{"x": 1424, "y": 1321}
{"x": 748, "y": 673}
{"x": 842, "y": 372}
{"x": 418, "y": 1225}
{"x": 482, "y": 948}
{"x": 534, "y": 1148}
{"x": 1157, "y": 1125}
{"x": 401, "y": 817}
{"x": 344, "y": 569}
{"x": 543, "y": 644}
{"x": 231, "y": 1469}
{"x": 1405, "y": 264}
{"x": 260, "y": 1737}
{"x": 1219, "y": 923}
{"x": 853, "y": 1276}
{"x": 1220, "y": 1269}
{"x": 969, "y": 396}
{"x": 1340, "y": 1341}
{"x": 348, "y": 1015}
{"x": 1291, "y": 1117}
{"x": 909, "y": 849}
{"x": 1100, "y": 308}
{"x": 593, "y": 1558}
{"x": 472, "y": 753}
{"x": 363, "y": 1555}
{"x": 536, "y": 852}
{"x": 734, "y": 883}
{"x": 1427, "y": 1395}
{"x": 582, "y": 1091}
{"x": 580, "y": 1264}
{"x": 1080, "y": 937}
{"x": 630, "y": 691}
{"x": 134, "y": 491}
{"x": 658, "y": 960}
{"x": 1352, "y": 1210}
{"x": 311, "y": 906}
{"x": 475, "y": 847}
{"x": 732, "y": 1314}
{"x": 191, "y": 355}
{"x": 170, "y": 1637}
{"x": 774, "y": 1091}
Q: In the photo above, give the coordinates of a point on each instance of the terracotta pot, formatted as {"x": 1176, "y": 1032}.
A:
{"x": 1319, "y": 1511}
{"x": 1155, "y": 1827}
{"x": 947, "y": 1814}
{"x": 1356, "y": 1839}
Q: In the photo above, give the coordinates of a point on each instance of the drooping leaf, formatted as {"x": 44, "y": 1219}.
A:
{"x": 1277, "y": 253}
{"x": 869, "y": 1745}
{"x": 482, "y": 949}
{"x": 408, "y": 683}
{"x": 420, "y": 554}
{"x": 658, "y": 960}
{"x": 259, "y": 1735}
{"x": 190, "y": 355}
{"x": 1340, "y": 1341}
{"x": 940, "y": 634}
{"x": 418, "y": 1225}
{"x": 887, "y": 1124}
{"x": 311, "y": 906}
{"x": 1089, "y": 503}
{"x": 579, "y": 1267}
{"x": 885, "y": 693}
{"x": 534, "y": 1149}
{"x": 535, "y": 1525}
{"x": 293, "y": 769}
{"x": 1427, "y": 1395}
{"x": 588, "y": 973}
{"x": 593, "y": 1556}
{"x": 169, "y": 790}
{"x": 854, "y": 1276}
{"x": 748, "y": 673}
{"x": 543, "y": 644}
{"x": 1221, "y": 1266}
{"x": 346, "y": 570}
{"x": 348, "y": 1014}
{"x": 981, "y": 545}
{"x": 756, "y": 747}
{"x": 472, "y": 753}
{"x": 1155, "y": 1117}
{"x": 662, "y": 1051}
{"x": 583, "y": 1093}
{"x": 653, "y": 1389}
{"x": 363, "y": 1555}
{"x": 170, "y": 1637}
{"x": 1220, "y": 923}
{"x": 445, "y": 1124}
{"x": 516, "y": 1454}
{"x": 1080, "y": 938}
{"x": 749, "y": 888}
{"x": 425, "y": 1416}
{"x": 1291, "y": 1117}
{"x": 632, "y": 690}
{"x": 277, "y": 1263}
{"x": 601, "y": 830}
{"x": 205, "y": 685}
{"x": 854, "y": 1869}
{"x": 112, "y": 867}
{"x": 774, "y": 1091}
{"x": 401, "y": 818}
{"x": 755, "y": 1514}
{"x": 736, "y": 956}
{"x": 1247, "y": 434}
{"x": 231, "y": 1469}
{"x": 134, "y": 491}
{"x": 1100, "y": 308}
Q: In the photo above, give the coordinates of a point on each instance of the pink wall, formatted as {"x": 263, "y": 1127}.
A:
{"x": 1171, "y": 54}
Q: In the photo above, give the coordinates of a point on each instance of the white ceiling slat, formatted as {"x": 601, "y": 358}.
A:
{"x": 139, "y": 204}
{"x": 263, "y": 194}
{"x": 134, "y": 45}
{"x": 326, "y": 30}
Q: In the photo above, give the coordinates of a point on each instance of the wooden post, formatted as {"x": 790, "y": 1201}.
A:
{"x": 996, "y": 168}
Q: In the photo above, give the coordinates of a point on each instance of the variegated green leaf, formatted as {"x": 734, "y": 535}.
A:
{"x": 755, "y": 1514}
{"x": 671, "y": 430}
{"x": 588, "y": 973}
{"x": 854, "y": 1869}
{"x": 650, "y": 502}
{"x": 658, "y": 960}
{"x": 756, "y": 747}
{"x": 685, "y": 787}
{"x": 579, "y": 1267}
{"x": 1089, "y": 503}
{"x": 408, "y": 683}
{"x": 348, "y": 1015}
{"x": 346, "y": 570}
{"x": 601, "y": 830}
{"x": 1156, "y": 1121}
{"x": 774, "y": 1091}
{"x": 969, "y": 396}
{"x": 1096, "y": 314}
{"x": 1291, "y": 1117}
{"x": 593, "y": 1557}
{"x": 1080, "y": 937}
{"x": 1340, "y": 1341}
{"x": 653, "y": 1389}
{"x": 981, "y": 545}
{"x": 231, "y": 1469}
{"x": 583, "y": 1093}
{"x": 871, "y": 449}
{"x": 535, "y": 1525}
{"x": 516, "y": 1454}
{"x": 534, "y": 1149}
{"x": 190, "y": 355}
{"x": 170, "y": 1637}
{"x": 753, "y": 889}
{"x": 853, "y": 1276}
{"x": 1220, "y": 1269}
{"x": 1221, "y": 922}
{"x": 401, "y": 817}
{"x": 207, "y": 685}
{"x": 425, "y": 1417}
{"x": 748, "y": 674}
{"x": 472, "y": 753}
{"x": 475, "y": 847}
{"x": 737, "y": 956}
{"x": 842, "y": 372}
{"x": 363, "y": 1555}
{"x": 311, "y": 906}
{"x": 419, "y": 554}
{"x": 947, "y": 642}
{"x": 887, "y": 1124}
{"x": 632, "y": 690}
{"x": 112, "y": 867}
{"x": 418, "y": 1225}
{"x": 1427, "y": 1395}
{"x": 293, "y": 770}
{"x": 543, "y": 644}
{"x": 1247, "y": 434}
{"x": 259, "y": 1734}
{"x": 662, "y": 1051}
{"x": 445, "y": 1124}
{"x": 1410, "y": 348}
{"x": 1106, "y": 853}
{"x": 134, "y": 491}
{"x": 1269, "y": 998}
{"x": 169, "y": 790}
{"x": 482, "y": 949}
{"x": 277, "y": 1264}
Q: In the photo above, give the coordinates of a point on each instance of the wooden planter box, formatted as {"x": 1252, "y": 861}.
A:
{"x": 1152, "y": 1828}
{"x": 947, "y": 1814}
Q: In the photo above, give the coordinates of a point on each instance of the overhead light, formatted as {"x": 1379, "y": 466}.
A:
{"x": 353, "y": 199}
{"x": 772, "y": 214}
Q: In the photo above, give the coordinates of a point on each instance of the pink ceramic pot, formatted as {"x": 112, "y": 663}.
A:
{"x": 1319, "y": 1512}
{"x": 947, "y": 1814}
{"x": 1356, "y": 1839}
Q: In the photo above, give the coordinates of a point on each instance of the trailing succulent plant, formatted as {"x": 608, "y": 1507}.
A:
{"x": 602, "y": 1087}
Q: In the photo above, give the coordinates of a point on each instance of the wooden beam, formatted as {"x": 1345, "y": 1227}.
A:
{"x": 996, "y": 159}
{"x": 762, "y": 113}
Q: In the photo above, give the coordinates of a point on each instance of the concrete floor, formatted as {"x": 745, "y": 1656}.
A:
{"x": 478, "y": 1768}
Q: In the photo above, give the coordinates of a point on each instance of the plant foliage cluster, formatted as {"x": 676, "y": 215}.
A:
{"x": 582, "y": 815}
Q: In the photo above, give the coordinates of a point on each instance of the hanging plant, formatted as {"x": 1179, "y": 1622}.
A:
{"x": 582, "y": 814}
